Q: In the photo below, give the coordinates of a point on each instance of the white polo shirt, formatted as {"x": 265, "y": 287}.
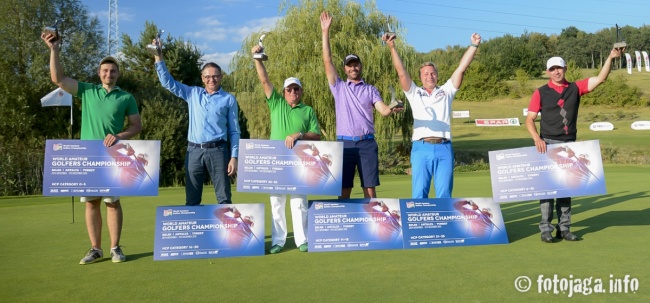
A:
{"x": 431, "y": 112}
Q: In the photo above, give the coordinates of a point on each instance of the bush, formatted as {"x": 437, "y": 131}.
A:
{"x": 21, "y": 168}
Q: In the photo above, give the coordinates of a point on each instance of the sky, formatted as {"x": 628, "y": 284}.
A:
{"x": 218, "y": 27}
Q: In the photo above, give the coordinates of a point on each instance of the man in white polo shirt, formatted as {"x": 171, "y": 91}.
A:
{"x": 432, "y": 155}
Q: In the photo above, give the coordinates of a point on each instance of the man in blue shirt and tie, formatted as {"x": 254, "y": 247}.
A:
{"x": 213, "y": 135}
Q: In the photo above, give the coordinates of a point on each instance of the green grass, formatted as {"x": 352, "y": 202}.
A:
{"x": 470, "y": 138}
{"x": 40, "y": 249}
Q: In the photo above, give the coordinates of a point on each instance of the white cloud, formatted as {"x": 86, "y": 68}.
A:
{"x": 223, "y": 59}
{"x": 209, "y": 21}
{"x": 236, "y": 33}
{"x": 264, "y": 24}
{"x": 122, "y": 16}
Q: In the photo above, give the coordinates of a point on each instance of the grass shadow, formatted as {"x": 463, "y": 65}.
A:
{"x": 522, "y": 218}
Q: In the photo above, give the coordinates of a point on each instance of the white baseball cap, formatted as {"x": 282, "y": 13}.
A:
{"x": 555, "y": 61}
{"x": 292, "y": 80}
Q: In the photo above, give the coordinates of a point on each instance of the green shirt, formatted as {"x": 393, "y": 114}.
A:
{"x": 103, "y": 113}
{"x": 287, "y": 120}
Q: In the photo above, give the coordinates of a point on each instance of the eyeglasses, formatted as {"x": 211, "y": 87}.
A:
{"x": 553, "y": 68}
{"x": 290, "y": 89}
{"x": 213, "y": 77}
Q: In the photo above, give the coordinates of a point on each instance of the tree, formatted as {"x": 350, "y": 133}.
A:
{"x": 356, "y": 29}
{"x": 24, "y": 79}
{"x": 507, "y": 54}
{"x": 24, "y": 76}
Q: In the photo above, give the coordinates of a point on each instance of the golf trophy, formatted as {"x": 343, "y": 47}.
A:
{"x": 390, "y": 33}
{"x": 261, "y": 56}
{"x": 394, "y": 103}
{"x": 156, "y": 49}
{"x": 53, "y": 30}
{"x": 619, "y": 44}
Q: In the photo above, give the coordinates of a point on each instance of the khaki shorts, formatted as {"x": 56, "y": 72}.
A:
{"x": 105, "y": 199}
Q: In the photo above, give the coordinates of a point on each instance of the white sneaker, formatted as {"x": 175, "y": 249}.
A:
{"x": 116, "y": 254}
{"x": 91, "y": 256}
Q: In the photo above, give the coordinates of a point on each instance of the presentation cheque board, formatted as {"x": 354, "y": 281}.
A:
{"x": 309, "y": 168}
{"x": 565, "y": 170}
{"x": 355, "y": 224}
{"x": 88, "y": 168}
{"x": 209, "y": 231}
{"x": 368, "y": 224}
{"x": 452, "y": 222}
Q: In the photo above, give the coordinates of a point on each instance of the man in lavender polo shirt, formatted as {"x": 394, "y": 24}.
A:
{"x": 354, "y": 100}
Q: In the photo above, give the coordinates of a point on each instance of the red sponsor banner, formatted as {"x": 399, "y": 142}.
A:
{"x": 497, "y": 122}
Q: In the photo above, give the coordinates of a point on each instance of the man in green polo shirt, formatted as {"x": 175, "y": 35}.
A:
{"x": 291, "y": 120}
{"x": 104, "y": 108}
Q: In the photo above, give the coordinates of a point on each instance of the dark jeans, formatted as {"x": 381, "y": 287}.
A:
{"x": 214, "y": 161}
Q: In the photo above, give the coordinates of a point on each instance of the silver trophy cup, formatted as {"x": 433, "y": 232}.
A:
{"x": 390, "y": 34}
{"x": 394, "y": 103}
{"x": 620, "y": 42}
{"x": 261, "y": 56}
{"x": 156, "y": 49}
{"x": 53, "y": 30}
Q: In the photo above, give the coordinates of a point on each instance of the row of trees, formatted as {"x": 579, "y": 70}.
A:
{"x": 24, "y": 76}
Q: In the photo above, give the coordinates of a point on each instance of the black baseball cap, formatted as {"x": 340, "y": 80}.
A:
{"x": 350, "y": 58}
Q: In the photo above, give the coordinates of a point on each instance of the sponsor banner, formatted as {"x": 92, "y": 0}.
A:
{"x": 460, "y": 114}
{"x": 355, "y": 224}
{"x": 601, "y": 126}
{"x": 371, "y": 224}
{"x": 638, "y": 60}
{"x": 497, "y": 122}
{"x": 628, "y": 60}
{"x": 209, "y": 231}
{"x": 640, "y": 125}
{"x": 309, "y": 168}
{"x": 88, "y": 168}
{"x": 565, "y": 170}
{"x": 429, "y": 223}
{"x": 646, "y": 60}
{"x": 525, "y": 111}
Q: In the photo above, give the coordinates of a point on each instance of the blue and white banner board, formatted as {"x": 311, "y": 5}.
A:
{"x": 309, "y": 168}
{"x": 88, "y": 168}
{"x": 209, "y": 231}
{"x": 565, "y": 170}
{"x": 429, "y": 223}
{"x": 370, "y": 224}
{"x": 355, "y": 224}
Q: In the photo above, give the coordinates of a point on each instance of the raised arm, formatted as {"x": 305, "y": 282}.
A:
{"x": 330, "y": 70}
{"x": 166, "y": 79}
{"x": 457, "y": 76}
{"x": 261, "y": 73}
{"x": 405, "y": 80}
{"x": 604, "y": 72}
{"x": 56, "y": 72}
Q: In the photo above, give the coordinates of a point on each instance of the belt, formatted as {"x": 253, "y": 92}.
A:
{"x": 206, "y": 145}
{"x": 356, "y": 138}
{"x": 434, "y": 140}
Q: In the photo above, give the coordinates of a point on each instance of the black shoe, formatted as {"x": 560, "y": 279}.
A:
{"x": 567, "y": 235}
{"x": 547, "y": 237}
